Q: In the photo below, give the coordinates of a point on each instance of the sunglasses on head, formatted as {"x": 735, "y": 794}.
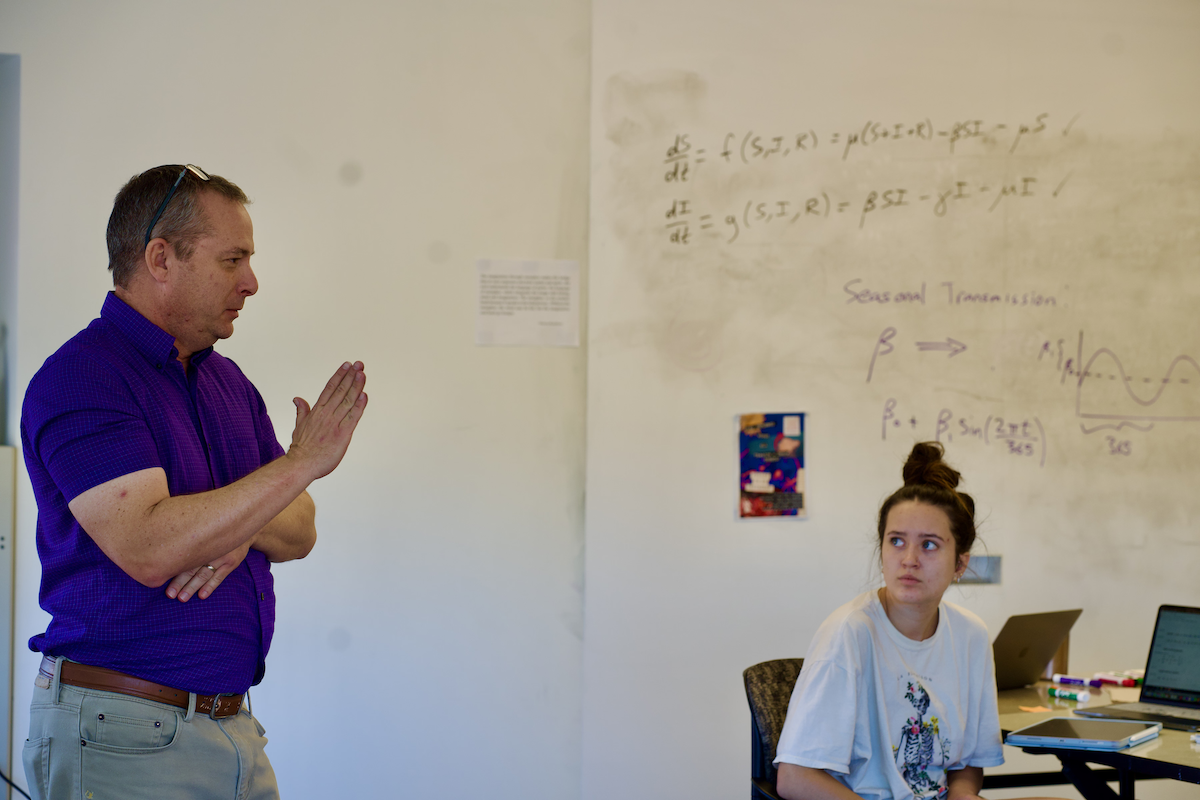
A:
{"x": 192, "y": 168}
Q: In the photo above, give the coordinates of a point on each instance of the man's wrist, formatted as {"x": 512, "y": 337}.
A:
{"x": 300, "y": 467}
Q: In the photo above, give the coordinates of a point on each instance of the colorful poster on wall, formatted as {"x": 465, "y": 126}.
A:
{"x": 772, "y": 465}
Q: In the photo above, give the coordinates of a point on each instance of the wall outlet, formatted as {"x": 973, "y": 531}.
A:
{"x": 982, "y": 569}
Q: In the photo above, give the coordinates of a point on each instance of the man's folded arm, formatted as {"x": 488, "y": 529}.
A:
{"x": 291, "y": 534}
{"x": 153, "y": 537}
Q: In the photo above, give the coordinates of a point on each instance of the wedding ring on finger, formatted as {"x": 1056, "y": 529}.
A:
{"x": 210, "y": 566}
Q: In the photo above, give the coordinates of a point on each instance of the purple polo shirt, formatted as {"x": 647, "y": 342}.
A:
{"x": 114, "y": 400}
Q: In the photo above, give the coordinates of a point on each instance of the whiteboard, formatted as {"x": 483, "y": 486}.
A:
{"x": 969, "y": 222}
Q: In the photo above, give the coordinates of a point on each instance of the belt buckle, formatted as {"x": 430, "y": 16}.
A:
{"x": 216, "y": 705}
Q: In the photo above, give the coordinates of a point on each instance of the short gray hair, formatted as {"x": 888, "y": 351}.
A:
{"x": 182, "y": 222}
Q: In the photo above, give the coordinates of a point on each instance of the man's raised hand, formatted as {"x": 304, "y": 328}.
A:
{"x": 323, "y": 431}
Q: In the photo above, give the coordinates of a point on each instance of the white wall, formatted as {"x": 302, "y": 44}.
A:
{"x": 385, "y": 147}
{"x": 10, "y": 77}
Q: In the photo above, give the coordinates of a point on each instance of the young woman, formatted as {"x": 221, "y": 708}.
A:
{"x": 897, "y": 697}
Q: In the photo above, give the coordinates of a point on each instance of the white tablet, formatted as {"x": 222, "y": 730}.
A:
{"x": 1084, "y": 734}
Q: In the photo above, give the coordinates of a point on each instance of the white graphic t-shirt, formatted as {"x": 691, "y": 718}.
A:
{"x": 887, "y": 716}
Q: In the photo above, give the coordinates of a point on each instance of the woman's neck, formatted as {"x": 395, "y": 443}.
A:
{"x": 914, "y": 622}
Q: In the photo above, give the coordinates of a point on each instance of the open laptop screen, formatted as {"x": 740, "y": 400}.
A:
{"x": 1173, "y": 667}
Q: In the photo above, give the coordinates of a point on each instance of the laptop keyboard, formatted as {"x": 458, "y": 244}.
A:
{"x": 1164, "y": 712}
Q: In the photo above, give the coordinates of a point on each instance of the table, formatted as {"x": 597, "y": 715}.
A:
{"x": 1171, "y": 755}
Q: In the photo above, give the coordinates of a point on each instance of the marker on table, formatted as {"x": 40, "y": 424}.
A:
{"x": 1116, "y": 680}
{"x": 1094, "y": 682}
{"x": 1070, "y": 694}
{"x": 1136, "y": 674}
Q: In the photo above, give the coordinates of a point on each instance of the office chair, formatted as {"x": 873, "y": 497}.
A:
{"x": 768, "y": 690}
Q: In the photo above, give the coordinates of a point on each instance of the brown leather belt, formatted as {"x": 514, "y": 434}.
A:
{"x": 217, "y": 706}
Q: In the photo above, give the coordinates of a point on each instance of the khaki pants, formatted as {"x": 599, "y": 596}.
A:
{"x": 86, "y": 744}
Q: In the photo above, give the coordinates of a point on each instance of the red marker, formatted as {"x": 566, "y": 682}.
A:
{"x": 1115, "y": 680}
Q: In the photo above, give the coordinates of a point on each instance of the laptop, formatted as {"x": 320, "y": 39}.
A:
{"x": 1027, "y": 643}
{"x": 1171, "y": 691}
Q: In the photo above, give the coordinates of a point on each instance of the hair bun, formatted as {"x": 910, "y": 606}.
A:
{"x": 925, "y": 467}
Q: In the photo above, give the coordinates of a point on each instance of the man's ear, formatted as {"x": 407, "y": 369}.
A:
{"x": 156, "y": 257}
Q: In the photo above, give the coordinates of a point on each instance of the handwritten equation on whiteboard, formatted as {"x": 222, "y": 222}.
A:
{"x": 1022, "y": 438}
{"x": 688, "y": 219}
{"x": 681, "y": 216}
{"x": 750, "y": 146}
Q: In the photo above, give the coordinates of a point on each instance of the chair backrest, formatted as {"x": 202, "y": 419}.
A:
{"x": 768, "y": 690}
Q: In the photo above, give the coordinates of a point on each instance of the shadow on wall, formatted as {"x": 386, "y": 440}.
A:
{"x": 3, "y": 385}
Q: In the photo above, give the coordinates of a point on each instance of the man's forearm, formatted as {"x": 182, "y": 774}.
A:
{"x": 185, "y": 531}
{"x": 291, "y": 534}
{"x": 208, "y": 525}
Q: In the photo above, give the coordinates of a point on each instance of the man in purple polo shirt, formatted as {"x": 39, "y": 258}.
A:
{"x": 163, "y": 495}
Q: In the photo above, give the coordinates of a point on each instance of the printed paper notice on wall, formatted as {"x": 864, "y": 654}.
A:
{"x": 527, "y": 303}
{"x": 772, "y": 465}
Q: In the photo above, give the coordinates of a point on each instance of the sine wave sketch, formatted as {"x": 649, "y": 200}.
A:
{"x": 1107, "y": 392}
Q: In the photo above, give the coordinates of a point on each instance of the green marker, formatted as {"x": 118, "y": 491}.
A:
{"x": 1070, "y": 694}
